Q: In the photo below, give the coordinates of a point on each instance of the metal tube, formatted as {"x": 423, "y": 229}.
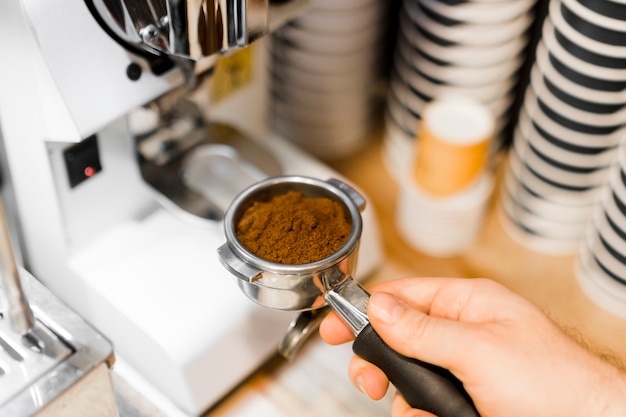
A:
{"x": 20, "y": 314}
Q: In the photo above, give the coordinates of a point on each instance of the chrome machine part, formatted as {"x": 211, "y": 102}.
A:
{"x": 185, "y": 30}
{"x": 291, "y": 287}
{"x": 349, "y": 300}
{"x": 299, "y": 330}
{"x": 20, "y": 314}
{"x": 308, "y": 287}
{"x": 37, "y": 364}
{"x": 57, "y": 354}
{"x": 197, "y": 167}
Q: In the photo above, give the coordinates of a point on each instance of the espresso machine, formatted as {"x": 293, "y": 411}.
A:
{"x": 118, "y": 167}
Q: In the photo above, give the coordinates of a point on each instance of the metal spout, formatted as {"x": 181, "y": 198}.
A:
{"x": 349, "y": 300}
{"x": 301, "y": 328}
{"x": 20, "y": 314}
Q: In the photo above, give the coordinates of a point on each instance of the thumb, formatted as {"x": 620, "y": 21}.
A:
{"x": 415, "y": 334}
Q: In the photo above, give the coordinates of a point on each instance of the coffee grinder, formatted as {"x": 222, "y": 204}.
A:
{"x": 115, "y": 195}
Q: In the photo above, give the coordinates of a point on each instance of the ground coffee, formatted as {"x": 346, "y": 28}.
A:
{"x": 293, "y": 229}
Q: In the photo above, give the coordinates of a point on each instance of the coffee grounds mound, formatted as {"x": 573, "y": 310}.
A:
{"x": 293, "y": 229}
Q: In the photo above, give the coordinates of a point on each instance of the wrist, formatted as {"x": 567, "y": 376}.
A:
{"x": 620, "y": 399}
{"x": 614, "y": 399}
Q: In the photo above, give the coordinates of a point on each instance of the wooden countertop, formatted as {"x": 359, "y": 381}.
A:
{"x": 316, "y": 384}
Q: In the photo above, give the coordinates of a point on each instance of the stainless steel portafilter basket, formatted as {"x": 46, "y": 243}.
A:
{"x": 329, "y": 282}
{"x": 291, "y": 287}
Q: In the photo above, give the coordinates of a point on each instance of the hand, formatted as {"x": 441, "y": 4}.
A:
{"x": 512, "y": 360}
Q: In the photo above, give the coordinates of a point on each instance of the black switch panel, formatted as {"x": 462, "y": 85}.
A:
{"x": 82, "y": 160}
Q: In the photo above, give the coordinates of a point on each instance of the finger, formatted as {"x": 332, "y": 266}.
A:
{"x": 417, "y": 291}
{"x": 451, "y": 298}
{"x": 400, "y": 408}
{"x": 368, "y": 378}
{"x": 413, "y": 333}
{"x": 334, "y": 331}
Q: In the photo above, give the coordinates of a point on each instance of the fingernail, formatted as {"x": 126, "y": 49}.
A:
{"x": 385, "y": 307}
{"x": 360, "y": 383}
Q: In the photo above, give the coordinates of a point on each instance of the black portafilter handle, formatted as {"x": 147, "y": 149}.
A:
{"x": 424, "y": 386}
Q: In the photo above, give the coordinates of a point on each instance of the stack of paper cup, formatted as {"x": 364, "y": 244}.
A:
{"x": 326, "y": 76}
{"x": 571, "y": 122}
{"x": 601, "y": 266}
{"x": 444, "y": 197}
{"x": 466, "y": 47}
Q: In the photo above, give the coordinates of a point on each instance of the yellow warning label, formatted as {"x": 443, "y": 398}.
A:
{"x": 232, "y": 72}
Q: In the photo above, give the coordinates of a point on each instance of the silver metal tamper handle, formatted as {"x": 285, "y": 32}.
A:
{"x": 20, "y": 314}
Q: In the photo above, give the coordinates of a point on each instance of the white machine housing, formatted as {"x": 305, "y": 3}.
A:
{"x": 144, "y": 276}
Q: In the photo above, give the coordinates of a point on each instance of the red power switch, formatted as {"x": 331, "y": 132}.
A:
{"x": 82, "y": 160}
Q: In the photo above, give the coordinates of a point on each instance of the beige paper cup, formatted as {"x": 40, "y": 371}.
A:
{"x": 453, "y": 140}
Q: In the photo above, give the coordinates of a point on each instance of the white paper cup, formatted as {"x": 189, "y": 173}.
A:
{"x": 605, "y": 259}
{"x": 542, "y": 226}
{"x": 555, "y": 128}
{"x": 302, "y": 95}
{"x": 577, "y": 37}
{"x": 467, "y": 55}
{"x": 441, "y": 226}
{"x": 604, "y": 228}
{"x": 343, "y": 5}
{"x": 550, "y": 191}
{"x": 603, "y": 110}
{"x": 408, "y": 120}
{"x": 398, "y": 148}
{"x": 481, "y": 13}
{"x": 621, "y": 156}
{"x": 566, "y": 110}
{"x": 412, "y": 101}
{"x": 323, "y": 133}
{"x": 342, "y": 21}
{"x": 610, "y": 204}
{"x": 484, "y": 93}
{"x": 614, "y": 9}
{"x": 582, "y": 66}
{"x": 329, "y": 43}
{"x": 604, "y": 291}
{"x": 541, "y": 206}
{"x": 490, "y": 32}
{"x": 598, "y": 28}
{"x": 460, "y": 74}
{"x": 572, "y": 87}
{"x": 316, "y": 112}
{"x": 554, "y": 173}
{"x": 617, "y": 178}
{"x": 405, "y": 96}
{"x": 531, "y": 239}
{"x": 587, "y": 55}
{"x": 563, "y": 152}
{"x": 555, "y": 113}
{"x": 324, "y": 63}
{"x": 288, "y": 75}
{"x": 584, "y": 74}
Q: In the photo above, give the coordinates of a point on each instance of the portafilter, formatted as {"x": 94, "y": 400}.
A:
{"x": 329, "y": 281}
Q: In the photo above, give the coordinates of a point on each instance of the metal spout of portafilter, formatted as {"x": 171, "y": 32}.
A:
{"x": 20, "y": 314}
